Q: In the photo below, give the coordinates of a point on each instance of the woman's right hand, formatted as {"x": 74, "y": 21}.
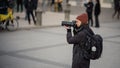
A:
{"x": 67, "y": 27}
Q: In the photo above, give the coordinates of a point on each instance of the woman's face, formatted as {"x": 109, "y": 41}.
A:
{"x": 78, "y": 23}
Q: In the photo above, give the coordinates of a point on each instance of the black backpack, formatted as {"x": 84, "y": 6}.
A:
{"x": 93, "y": 42}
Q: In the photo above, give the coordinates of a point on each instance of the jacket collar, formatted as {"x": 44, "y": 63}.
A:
{"x": 78, "y": 29}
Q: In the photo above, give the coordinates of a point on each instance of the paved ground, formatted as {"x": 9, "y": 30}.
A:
{"x": 47, "y": 47}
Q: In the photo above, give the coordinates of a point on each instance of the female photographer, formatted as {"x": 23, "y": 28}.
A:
{"x": 79, "y": 60}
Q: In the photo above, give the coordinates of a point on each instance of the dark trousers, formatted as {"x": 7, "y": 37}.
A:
{"x": 117, "y": 11}
{"x": 28, "y": 16}
{"x": 60, "y": 7}
{"x": 97, "y": 21}
{"x": 19, "y": 5}
{"x": 90, "y": 18}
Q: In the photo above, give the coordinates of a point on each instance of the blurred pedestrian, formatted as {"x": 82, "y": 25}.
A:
{"x": 44, "y": 4}
{"x": 11, "y": 4}
{"x": 52, "y": 2}
{"x": 35, "y": 5}
{"x": 19, "y": 5}
{"x": 67, "y": 1}
{"x": 56, "y": 6}
{"x": 4, "y": 4}
{"x": 79, "y": 39}
{"x": 89, "y": 10}
{"x": 29, "y": 6}
{"x": 116, "y": 8}
{"x": 24, "y": 2}
{"x": 83, "y": 2}
{"x": 52, "y": 5}
{"x": 97, "y": 12}
{"x": 60, "y": 8}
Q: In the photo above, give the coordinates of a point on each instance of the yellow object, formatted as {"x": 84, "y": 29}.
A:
{"x": 9, "y": 15}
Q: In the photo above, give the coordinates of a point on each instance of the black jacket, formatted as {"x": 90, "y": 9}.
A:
{"x": 19, "y": 1}
{"x": 89, "y": 7}
{"x": 117, "y": 4}
{"x": 35, "y": 4}
{"x": 29, "y": 5}
{"x": 4, "y": 4}
{"x": 97, "y": 9}
{"x": 78, "y": 40}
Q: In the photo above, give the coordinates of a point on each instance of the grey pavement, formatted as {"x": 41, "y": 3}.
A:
{"x": 47, "y": 47}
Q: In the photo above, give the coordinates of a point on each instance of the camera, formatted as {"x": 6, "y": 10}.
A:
{"x": 66, "y": 23}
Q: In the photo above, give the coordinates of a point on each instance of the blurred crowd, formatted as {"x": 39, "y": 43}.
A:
{"x": 94, "y": 6}
{"x": 54, "y": 5}
{"x": 30, "y": 7}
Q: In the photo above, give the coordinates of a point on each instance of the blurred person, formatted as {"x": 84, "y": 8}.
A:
{"x": 29, "y": 6}
{"x": 84, "y": 2}
{"x": 79, "y": 60}
{"x": 116, "y": 8}
{"x": 24, "y": 2}
{"x": 44, "y": 3}
{"x": 11, "y": 4}
{"x": 89, "y": 10}
{"x": 52, "y": 5}
{"x": 97, "y": 12}
{"x": 60, "y": 8}
{"x": 19, "y": 4}
{"x": 35, "y": 5}
{"x": 58, "y": 5}
{"x": 52, "y": 2}
{"x": 67, "y": 1}
{"x": 4, "y": 6}
{"x": 6, "y": 10}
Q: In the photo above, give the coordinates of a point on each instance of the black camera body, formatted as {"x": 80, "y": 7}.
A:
{"x": 67, "y": 23}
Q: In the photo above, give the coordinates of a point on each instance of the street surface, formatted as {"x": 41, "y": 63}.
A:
{"x": 47, "y": 48}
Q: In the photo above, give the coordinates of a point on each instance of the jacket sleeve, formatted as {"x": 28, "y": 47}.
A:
{"x": 97, "y": 9}
{"x": 76, "y": 39}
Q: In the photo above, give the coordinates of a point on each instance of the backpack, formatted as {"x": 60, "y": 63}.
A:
{"x": 93, "y": 46}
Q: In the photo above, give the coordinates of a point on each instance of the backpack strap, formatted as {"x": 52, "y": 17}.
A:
{"x": 90, "y": 35}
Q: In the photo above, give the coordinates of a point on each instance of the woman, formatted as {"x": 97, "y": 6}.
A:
{"x": 97, "y": 13}
{"x": 79, "y": 60}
